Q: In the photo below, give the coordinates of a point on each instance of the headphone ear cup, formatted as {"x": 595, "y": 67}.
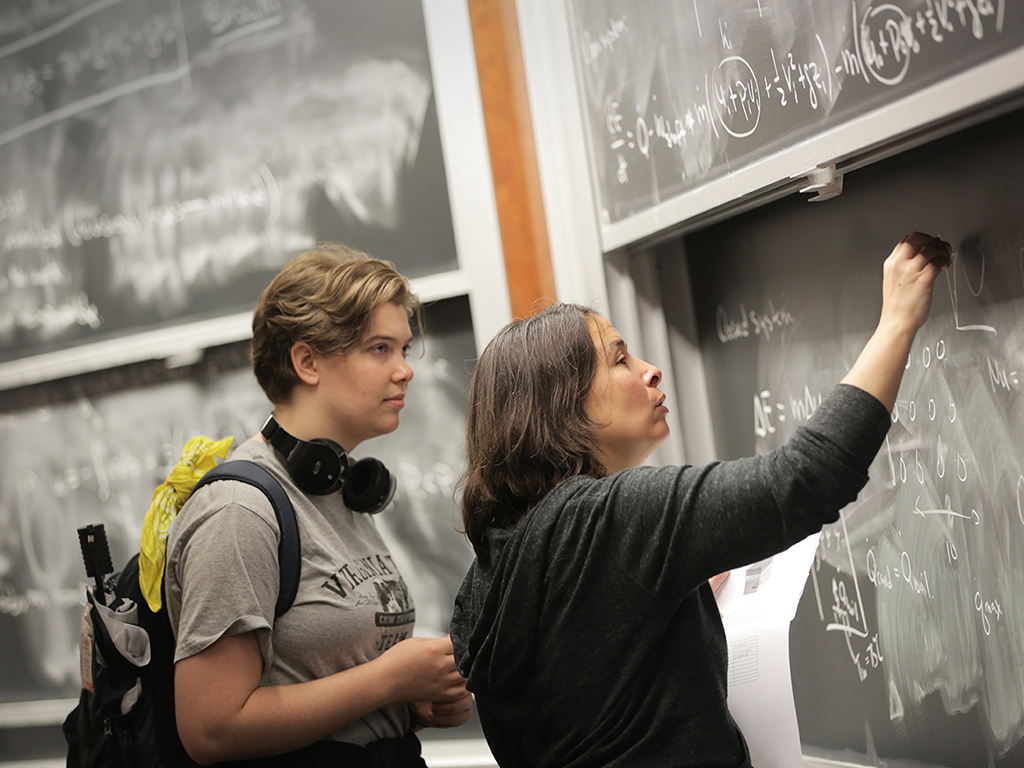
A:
{"x": 369, "y": 486}
{"x": 318, "y": 466}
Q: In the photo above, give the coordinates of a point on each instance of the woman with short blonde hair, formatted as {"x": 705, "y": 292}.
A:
{"x": 338, "y": 679}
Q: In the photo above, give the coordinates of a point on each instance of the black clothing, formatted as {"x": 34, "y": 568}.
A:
{"x": 383, "y": 753}
{"x": 590, "y": 635}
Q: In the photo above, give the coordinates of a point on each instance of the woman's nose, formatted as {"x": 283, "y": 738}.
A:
{"x": 404, "y": 372}
{"x": 652, "y": 376}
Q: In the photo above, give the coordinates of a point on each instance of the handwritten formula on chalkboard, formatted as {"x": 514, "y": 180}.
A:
{"x": 675, "y": 94}
{"x": 909, "y": 639}
{"x": 161, "y": 159}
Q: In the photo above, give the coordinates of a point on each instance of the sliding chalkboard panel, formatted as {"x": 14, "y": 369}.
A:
{"x": 160, "y": 159}
{"x": 676, "y": 94}
{"x": 909, "y": 641}
{"x": 92, "y": 449}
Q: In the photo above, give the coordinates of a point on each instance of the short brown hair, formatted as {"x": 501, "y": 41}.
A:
{"x": 527, "y": 428}
{"x": 323, "y": 297}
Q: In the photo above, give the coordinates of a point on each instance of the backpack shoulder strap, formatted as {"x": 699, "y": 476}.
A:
{"x": 289, "y": 549}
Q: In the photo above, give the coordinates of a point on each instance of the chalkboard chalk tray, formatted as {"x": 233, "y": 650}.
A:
{"x": 690, "y": 106}
{"x": 161, "y": 159}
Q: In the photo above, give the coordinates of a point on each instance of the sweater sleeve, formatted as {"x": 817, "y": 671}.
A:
{"x": 675, "y": 527}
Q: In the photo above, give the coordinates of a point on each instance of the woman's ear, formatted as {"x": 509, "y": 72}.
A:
{"x": 305, "y": 363}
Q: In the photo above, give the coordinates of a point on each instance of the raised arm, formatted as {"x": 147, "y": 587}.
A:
{"x": 730, "y": 513}
{"x": 909, "y": 274}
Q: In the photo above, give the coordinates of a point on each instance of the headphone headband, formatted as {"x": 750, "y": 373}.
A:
{"x": 277, "y": 436}
{"x": 321, "y": 467}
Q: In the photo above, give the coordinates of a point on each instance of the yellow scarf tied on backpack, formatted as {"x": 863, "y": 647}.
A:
{"x": 199, "y": 457}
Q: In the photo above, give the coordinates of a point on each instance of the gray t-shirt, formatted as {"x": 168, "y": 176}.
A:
{"x": 222, "y": 579}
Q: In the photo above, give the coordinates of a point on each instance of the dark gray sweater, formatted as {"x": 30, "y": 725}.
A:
{"x": 591, "y": 637}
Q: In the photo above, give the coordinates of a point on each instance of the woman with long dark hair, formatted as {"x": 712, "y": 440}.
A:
{"x": 586, "y": 626}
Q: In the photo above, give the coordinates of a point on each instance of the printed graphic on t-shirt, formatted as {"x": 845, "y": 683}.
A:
{"x": 394, "y": 599}
{"x": 397, "y": 614}
{"x": 349, "y": 576}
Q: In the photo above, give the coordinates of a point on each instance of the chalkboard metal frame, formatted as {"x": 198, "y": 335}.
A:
{"x": 805, "y": 165}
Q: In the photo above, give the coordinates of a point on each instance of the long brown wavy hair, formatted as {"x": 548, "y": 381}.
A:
{"x": 527, "y": 429}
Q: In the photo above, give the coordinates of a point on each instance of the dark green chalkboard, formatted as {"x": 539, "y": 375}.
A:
{"x": 909, "y": 641}
{"x": 677, "y": 93}
{"x": 161, "y": 159}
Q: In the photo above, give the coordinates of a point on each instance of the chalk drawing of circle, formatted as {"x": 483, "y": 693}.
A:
{"x": 756, "y": 106}
{"x": 900, "y": 22}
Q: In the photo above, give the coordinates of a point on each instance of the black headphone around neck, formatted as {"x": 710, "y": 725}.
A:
{"x": 321, "y": 466}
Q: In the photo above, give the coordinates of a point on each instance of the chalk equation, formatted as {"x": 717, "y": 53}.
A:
{"x": 911, "y": 624}
{"x": 105, "y": 49}
{"x": 935, "y": 492}
{"x": 170, "y": 150}
{"x": 885, "y": 41}
{"x": 919, "y": 573}
{"x": 78, "y": 224}
{"x": 110, "y": 48}
{"x": 61, "y": 304}
{"x": 769, "y": 412}
{"x": 674, "y": 93}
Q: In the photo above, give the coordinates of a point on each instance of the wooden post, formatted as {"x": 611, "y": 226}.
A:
{"x": 524, "y": 234}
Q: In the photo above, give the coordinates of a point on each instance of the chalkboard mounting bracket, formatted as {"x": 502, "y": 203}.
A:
{"x": 824, "y": 181}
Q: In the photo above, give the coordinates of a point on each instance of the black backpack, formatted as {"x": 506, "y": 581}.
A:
{"x": 127, "y": 719}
